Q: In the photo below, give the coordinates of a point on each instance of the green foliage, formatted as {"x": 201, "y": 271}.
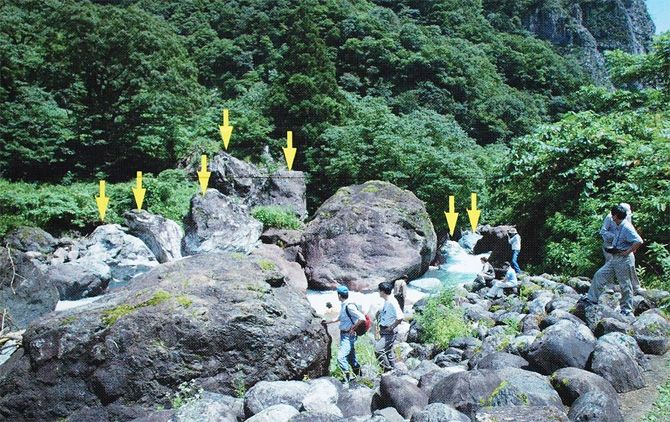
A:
{"x": 110, "y": 316}
{"x": 651, "y": 70}
{"x": 442, "y": 321}
{"x": 239, "y": 387}
{"x": 661, "y": 407}
{"x": 276, "y": 217}
{"x": 186, "y": 393}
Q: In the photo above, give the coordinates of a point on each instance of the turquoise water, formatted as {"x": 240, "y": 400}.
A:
{"x": 459, "y": 267}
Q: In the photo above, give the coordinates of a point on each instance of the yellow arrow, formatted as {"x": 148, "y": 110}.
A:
{"x": 226, "y": 130}
{"x": 102, "y": 201}
{"x": 138, "y": 191}
{"x": 289, "y": 151}
{"x": 203, "y": 175}
{"x": 452, "y": 216}
{"x": 473, "y": 212}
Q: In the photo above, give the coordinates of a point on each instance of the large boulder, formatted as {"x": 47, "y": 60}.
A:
{"x": 404, "y": 396}
{"x": 213, "y": 318}
{"x": 652, "y": 332}
{"x": 30, "y": 239}
{"x": 521, "y": 414}
{"x": 273, "y": 256}
{"x": 356, "y": 401}
{"x": 216, "y": 222}
{"x": 270, "y": 393}
{"x": 126, "y": 255}
{"x": 276, "y": 413}
{"x": 470, "y": 391}
{"x": 211, "y": 407}
{"x": 439, "y": 412}
{"x": 494, "y": 239}
{"x": 564, "y": 344}
{"x": 572, "y": 383}
{"x": 25, "y": 292}
{"x": 595, "y": 406}
{"x": 614, "y": 360}
{"x": 500, "y": 360}
{"x": 82, "y": 278}
{"x": 256, "y": 185}
{"x": 366, "y": 234}
{"x": 162, "y": 236}
{"x": 322, "y": 397}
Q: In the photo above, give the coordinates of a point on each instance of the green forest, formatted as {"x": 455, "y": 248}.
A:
{"x": 439, "y": 97}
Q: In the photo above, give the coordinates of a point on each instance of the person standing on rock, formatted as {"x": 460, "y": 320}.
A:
{"x": 350, "y": 318}
{"x": 390, "y": 317}
{"x": 400, "y": 291}
{"x": 608, "y": 233}
{"x": 514, "y": 239}
{"x": 620, "y": 266}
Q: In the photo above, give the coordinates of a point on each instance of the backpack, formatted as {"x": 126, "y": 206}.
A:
{"x": 362, "y": 329}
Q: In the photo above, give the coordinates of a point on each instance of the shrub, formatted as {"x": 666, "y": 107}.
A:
{"x": 365, "y": 354}
{"x": 442, "y": 321}
{"x": 276, "y": 217}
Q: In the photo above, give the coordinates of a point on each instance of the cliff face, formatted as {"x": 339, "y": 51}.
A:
{"x": 587, "y": 28}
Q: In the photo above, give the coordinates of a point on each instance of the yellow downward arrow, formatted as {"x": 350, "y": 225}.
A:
{"x": 102, "y": 201}
{"x": 138, "y": 191}
{"x": 225, "y": 129}
{"x": 473, "y": 212}
{"x": 289, "y": 151}
{"x": 452, "y": 216}
{"x": 203, "y": 175}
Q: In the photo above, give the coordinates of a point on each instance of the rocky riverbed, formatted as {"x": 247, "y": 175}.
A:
{"x": 221, "y": 320}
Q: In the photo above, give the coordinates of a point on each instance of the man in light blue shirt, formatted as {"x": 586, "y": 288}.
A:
{"x": 390, "y": 317}
{"x": 514, "y": 240}
{"x": 350, "y": 318}
{"x": 510, "y": 282}
{"x": 620, "y": 267}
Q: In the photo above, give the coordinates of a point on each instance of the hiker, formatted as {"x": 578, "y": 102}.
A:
{"x": 607, "y": 232}
{"x": 350, "y": 318}
{"x": 510, "y": 281}
{"x": 390, "y": 317}
{"x": 515, "y": 242}
{"x": 400, "y": 291}
{"x": 619, "y": 267}
{"x": 487, "y": 274}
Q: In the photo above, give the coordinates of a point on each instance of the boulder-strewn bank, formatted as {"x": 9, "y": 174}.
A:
{"x": 223, "y": 320}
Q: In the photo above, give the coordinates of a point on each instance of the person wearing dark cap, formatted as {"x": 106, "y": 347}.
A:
{"x": 620, "y": 267}
{"x": 390, "y": 317}
{"x": 350, "y": 318}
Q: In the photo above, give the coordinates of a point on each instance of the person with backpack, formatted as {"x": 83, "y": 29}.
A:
{"x": 390, "y": 317}
{"x": 352, "y": 321}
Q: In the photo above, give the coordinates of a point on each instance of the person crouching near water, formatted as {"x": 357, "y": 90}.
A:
{"x": 487, "y": 274}
{"x": 350, "y": 318}
{"x": 390, "y": 317}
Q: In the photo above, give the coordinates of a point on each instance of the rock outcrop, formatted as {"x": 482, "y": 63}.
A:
{"x": 30, "y": 239}
{"x": 256, "y": 185}
{"x": 83, "y": 278}
{"x": 213, "y": 318}
{"x": 366, "y": 234}
{"x": 217, "y": 222}
{"x": 25, "y": 292}
{"x": 495, "y": 240}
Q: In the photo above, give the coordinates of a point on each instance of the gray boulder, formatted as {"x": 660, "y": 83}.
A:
{"x": 126, "y": 255}
{"x": 216, "y": 222}
{"x": 652, "y": 332}
{"x": 272, "y": 257}
{"x": 389, "y": 414}
{"x": 614, "y": 361}
{"x": 572, "y": 383}
{"x": 500, "y": 360}
{"x": 183, "y": 320}
{"x": 275, "y": 413}
{"x": 162, "y": 236}
{"x": 366, "y": 234}
{"x": 521, "y": 414}
{"x": 468, "y": 240}
{"x": 611, "y": 325}
{"x": 270, "y": 393}
{"x": 322, "y": 397}
{"x": 25, "y": 292}
{"x": 282, "y": 237}
{"x": 404, "y": 396}
{"x": 595, "y": 406}
{"x": 30, "y": 239}
{"x": 317, "y": 417}
{"x": 356, "y": 401}
{"x": 494, "y": 239}
{"x": 439, "y": 412}
{"x": 82, "y": 278}
{"x": 428, "y": 381}
{"x": 211, "y": 407}
{"x": 564, "y": 344}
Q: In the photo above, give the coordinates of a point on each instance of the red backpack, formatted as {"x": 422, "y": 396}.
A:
{"x": 362, "y": 329}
